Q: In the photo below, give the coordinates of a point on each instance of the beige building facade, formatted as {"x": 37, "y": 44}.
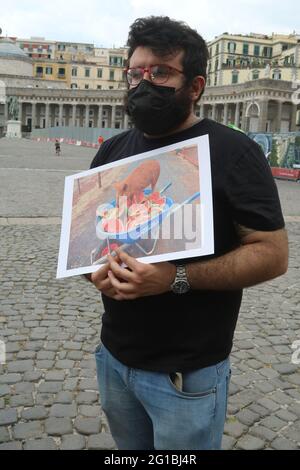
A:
{"x": 235, "y": 59}
{"x": 260, "y": 105}
{"x": 78, "y": 65}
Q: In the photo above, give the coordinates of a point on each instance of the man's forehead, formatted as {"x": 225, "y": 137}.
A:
{"x": 144, "y": 56}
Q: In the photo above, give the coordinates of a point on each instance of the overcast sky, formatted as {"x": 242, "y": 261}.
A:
{"x": 106, "y": 22}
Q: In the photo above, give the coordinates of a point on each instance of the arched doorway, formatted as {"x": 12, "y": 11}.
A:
{"x": 252, "y": 116}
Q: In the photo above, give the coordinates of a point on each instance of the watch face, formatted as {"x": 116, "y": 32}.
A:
{"x": 181, "y": 287}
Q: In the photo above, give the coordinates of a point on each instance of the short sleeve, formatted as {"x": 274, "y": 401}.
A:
{"x": 251, "y": 191}
{"x": 99, "y": 158}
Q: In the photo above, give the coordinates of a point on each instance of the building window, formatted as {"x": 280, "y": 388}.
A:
{"x": 235, "y": 78}
{"x": 216, "y": 80}
{"x": 231, "y": 62}
{"x": 267, "y": 52}
{"x": 245, "y": 49}
{"x": 111, "y": 74}
{"x": 255, "y": 75}
{"x": 49, "y": 70}
{"x": 217, "y": 49}
{"x": 208, "y": 81}
{"x": 110, "y": 87}
{"x": 61, "y": 47}
{"x": 256, "y": 51}
{"x": 61, "y": 72}
{"x": 86, "y": 86}
{"x": 284, "y": 47}
{"x": 74, "y": 72}
{"x": 99, "y": 73}
{"x": 87, "y": 72}
{"x": 99, "y": 87}
{"x": 276, "y": 75}
{"x": 116, "y": 60}
{"x": 74, "y": 85}
{"x": 217, "y": 64}
{"x": 231, "y": 47}
{"x": 39, "y": 70}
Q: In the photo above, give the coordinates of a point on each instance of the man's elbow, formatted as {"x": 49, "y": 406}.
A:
{"x": 281, "y": 264}
{"x": 284, "y": 265}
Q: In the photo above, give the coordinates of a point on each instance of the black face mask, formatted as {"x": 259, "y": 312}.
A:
{"x": 157, "y": 110}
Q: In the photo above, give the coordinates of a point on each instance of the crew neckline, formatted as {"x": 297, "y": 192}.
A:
{"x": 170, "y": 136}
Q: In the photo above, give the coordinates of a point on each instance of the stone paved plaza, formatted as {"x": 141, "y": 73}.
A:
{"x": 48, "y": 387}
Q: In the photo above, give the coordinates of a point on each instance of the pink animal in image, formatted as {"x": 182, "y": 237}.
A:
{"x": 147, "y": 173}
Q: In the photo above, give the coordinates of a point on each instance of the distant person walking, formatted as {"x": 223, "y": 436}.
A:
{"x": 57, "y": 147}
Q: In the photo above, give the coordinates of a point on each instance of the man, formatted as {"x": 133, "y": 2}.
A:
{"x": 163, "y": 366}
{"x": 57, "y": 147}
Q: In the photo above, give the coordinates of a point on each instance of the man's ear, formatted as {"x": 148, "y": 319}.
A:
{"x": 198, "y": 85}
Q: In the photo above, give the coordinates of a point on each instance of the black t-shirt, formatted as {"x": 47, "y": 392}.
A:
{"x": 170, "y": 332}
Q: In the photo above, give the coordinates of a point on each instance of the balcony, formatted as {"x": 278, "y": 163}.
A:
{"x": 251, "y": 65}
{"x": 61, "y": 76}
{"x": 39, "y": 75}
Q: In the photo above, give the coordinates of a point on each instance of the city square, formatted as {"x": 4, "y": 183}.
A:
{"x": 195, "y": 108}
{"x": 48, "y": 389}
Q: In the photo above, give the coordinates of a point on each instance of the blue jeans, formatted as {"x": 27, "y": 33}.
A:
{"x": 146, "y": 411}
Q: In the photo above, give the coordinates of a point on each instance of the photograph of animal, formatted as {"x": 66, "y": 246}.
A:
{"x": 147, "y": 173}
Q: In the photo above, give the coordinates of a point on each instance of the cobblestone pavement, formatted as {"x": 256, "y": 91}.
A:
{"x": 48, "y": 388}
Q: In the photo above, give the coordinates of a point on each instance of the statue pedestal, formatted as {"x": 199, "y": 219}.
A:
{"x": 14, "y": 129}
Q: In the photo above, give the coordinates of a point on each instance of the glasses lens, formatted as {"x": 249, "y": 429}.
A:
{"x": 159, "y": 73}
{"x": 134, "y": 76}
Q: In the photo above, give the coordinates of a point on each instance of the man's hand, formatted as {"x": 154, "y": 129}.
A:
{"x": 140, "y": 279}
{"x": 102, "y": 282}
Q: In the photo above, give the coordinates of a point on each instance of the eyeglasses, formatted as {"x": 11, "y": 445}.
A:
{"x": 158, "y": 74}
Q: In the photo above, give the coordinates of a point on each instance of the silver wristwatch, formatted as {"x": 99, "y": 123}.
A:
{"x": 181, "y": 284}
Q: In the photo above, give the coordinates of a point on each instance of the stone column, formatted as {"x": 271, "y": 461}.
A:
{"x": 38, "y": 115}
{"x": 263, "y": 116}
{"x": 100, "y": 116}
{"x": 278, "y": 117}
{"x": 74, "y": 109}
{"x": 237, "y": 115}
{"x": 33, "y": 115}
{"x": 126, "y": 119}
{"x": 214, "y": 108}
{"x": 201, "y": 111}
{"x": 87, "y": 115}
{"x": 293, "y": 121}
{"x": 47, "y": 115}
{"x": 113, "y": 116}
{"x": 60, "y": 115}
{"x": 5, "y": 112}
{"x": 225, "y": 115}
{"x": 20, "y": 112}
{"x": 243, "y": 124}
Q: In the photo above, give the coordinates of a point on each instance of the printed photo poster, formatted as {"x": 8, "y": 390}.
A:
{"x": 157, "y": 206}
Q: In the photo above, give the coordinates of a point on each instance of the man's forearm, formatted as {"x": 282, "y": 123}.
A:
{"x": 246, "y": 266}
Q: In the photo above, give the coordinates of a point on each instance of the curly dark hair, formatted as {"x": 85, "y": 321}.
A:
{"x": 166, "y": 37}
